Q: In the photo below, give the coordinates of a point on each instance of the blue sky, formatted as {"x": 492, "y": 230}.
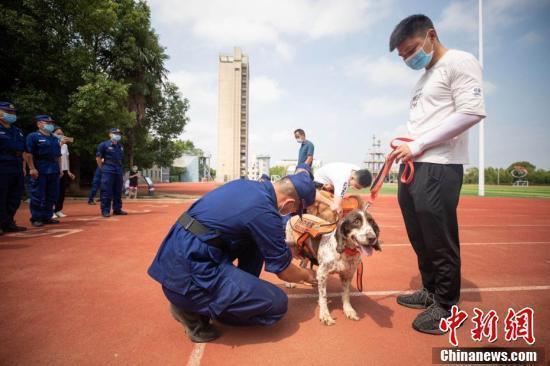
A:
{"x": 324, "y": 66}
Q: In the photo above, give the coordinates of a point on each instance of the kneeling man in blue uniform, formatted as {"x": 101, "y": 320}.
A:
{"x": 240, "y": 220}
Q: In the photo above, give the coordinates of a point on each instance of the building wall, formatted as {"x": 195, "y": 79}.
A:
{"x": 233, "y": 91}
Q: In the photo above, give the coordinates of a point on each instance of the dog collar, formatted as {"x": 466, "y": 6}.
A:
{"x": 351, "y": 251}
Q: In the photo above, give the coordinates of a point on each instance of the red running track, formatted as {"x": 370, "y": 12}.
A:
{"x": 78, "y": 292}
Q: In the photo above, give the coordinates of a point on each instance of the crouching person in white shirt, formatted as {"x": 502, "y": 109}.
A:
{"x": 445, "y": 103}
{"x": 337, "y": 178}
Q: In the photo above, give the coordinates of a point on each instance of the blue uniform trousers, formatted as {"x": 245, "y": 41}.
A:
{"x": 111, "y": 192}
{"x": 96, "y": 182}
{"x": 11, "y": 189}
{"x": 44, "y": 191}
{"x": 254, "y": 301}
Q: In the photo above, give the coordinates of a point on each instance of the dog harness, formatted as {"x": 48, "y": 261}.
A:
{"x": 310, "y": 226}
{"x": 306, "y": 227}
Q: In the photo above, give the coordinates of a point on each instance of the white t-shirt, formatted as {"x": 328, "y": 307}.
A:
{"x": 452, "y": 85}
{"x": 64, "y": 157}
{"x": 336, "y": 174}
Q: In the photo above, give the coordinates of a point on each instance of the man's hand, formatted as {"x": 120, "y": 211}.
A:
{"x": 336, "y": 208}
{"x": 34, "y": 173}
{"x": 71, "y": 175}
{"x": 402, "y": 153}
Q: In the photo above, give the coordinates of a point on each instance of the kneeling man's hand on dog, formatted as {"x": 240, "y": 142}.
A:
{"x": 311, "y": 277}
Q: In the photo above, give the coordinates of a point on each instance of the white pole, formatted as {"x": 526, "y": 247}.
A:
{"x": 481, "y": 183}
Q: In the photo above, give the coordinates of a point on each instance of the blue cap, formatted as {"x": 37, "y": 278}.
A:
{"x": 304, "y": 186}
{"x": 43, "y": 117}
{"x": 8, "y": 107}
{"x": 305, "y": 167}
{"x": 114, "y": 130}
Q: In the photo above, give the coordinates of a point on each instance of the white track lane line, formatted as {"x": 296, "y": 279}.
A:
{"x": 196, "y": 354}
{"x": 396, "y": 292}
{"x": 389, "y": 245}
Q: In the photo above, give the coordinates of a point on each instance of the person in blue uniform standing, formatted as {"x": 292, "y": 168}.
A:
{"x": 12, "y": 146}
{"x": 239, "y": 220}
{"x": 109, "y": 158}
{"x": 96, "y": 182}
{"x": 42, "y": 153}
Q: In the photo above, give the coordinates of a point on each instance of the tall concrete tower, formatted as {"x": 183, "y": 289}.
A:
{"x": 233, "y": 117}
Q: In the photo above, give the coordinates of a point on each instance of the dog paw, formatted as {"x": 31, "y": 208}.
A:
{"x": 351, "y": 314}
{"x": 326, "y": 319}
{"x": 290, "y": 285}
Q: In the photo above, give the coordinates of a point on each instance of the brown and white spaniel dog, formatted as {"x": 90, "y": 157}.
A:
{"x": 340, "y": 252}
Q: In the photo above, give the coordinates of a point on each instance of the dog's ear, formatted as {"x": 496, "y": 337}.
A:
{"x": 341, "y": 232}
{"x": 376, "y": 229}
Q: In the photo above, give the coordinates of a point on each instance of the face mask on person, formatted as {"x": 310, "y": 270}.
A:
{"x": 48, "y": 127}
{"x": 134, "y": 168}
{"x": 420, "y": 59}
{"x": 299, "y": 141}
{"x": 9, "y": 118}
{"x": 59, "y": 137}
{"x": 115, "y": 137}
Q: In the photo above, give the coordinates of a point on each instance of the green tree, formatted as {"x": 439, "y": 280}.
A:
{"x": 277, "y": 170}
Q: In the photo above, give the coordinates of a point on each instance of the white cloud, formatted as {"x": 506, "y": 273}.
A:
{"x": 264, "y": 90}
{"x": 385, "y": 106}
{"x": 198, "y": 87}
{"x": 382, "y": 72}
{"x": 254, "y": 22}
{"x": 459, "y": 17}
{"x": 489, "y": 87}
{"x": 530, "y": 38}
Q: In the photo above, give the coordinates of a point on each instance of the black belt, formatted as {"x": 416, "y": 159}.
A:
{"x": 195, "y": 227}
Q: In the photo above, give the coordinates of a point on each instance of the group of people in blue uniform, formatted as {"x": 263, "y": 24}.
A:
{"x": 40, "y": 151}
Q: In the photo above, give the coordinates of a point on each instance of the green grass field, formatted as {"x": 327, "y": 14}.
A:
{"x": 490, "y": 190}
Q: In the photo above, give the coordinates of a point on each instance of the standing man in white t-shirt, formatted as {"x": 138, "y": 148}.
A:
{"x": 337, "y": 178}
{"x": 445, "y": 103}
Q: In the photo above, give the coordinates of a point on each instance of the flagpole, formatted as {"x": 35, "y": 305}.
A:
{"x": 481, "y": 182}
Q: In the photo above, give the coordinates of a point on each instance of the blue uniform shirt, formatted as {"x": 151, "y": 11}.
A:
{"x": 112, "y": 155}
{"x": 306, "y": 149}
{"x": 12, "y": 145}
{"x": 245, "y": 213}
{"x": 45, "y": 150}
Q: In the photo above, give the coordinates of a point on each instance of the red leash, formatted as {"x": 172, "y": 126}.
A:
{"x": 406, "y": 177}
{"x": 359, "y": 279}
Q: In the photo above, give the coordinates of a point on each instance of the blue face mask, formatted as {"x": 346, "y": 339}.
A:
{"x": 9, "y": 118}
{"x": 59, "y": 137}
{"x": 115, "y": 137}
{"x": 49, "y": 128}
{"x": 420, "y": 59}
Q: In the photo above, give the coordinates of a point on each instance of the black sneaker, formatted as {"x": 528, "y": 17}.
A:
{"x": 421, "y": 299}
{"x": 197, "y": 326}
{"x": 91, "y": 202}
{"x": 428, "y": 320}
{"x": 120, "y": 213}
{"x": 51, "y": 221}
{"x": 105, "y": 214}
{"x": 12, "y": 228}
{"x": 37, "y": 223}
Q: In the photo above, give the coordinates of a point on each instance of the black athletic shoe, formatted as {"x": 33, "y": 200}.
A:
{"x": 37, "y": 223}
{"x": 420, "y": 299}
{"x": 105, "y": 214}
{"x": 51, "y": 221}
{"x": 120, "y": 213}
{"x": 12, "y": 228}
{"x": 428, "y": 320}
{"x": 91, "y": 202}
{"x": 197, "y": 326}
